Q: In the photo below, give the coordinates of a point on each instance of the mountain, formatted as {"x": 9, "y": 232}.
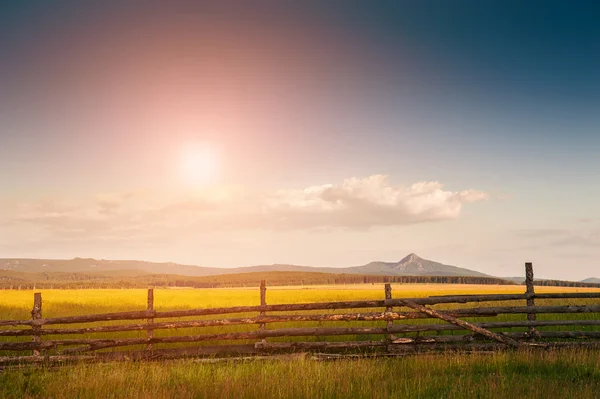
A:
{"x": 593, "y": 280}
{"x": 411, "y": 265}
{"x": 86, "y": 265}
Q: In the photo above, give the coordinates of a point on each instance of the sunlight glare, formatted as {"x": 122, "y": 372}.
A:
{"x": 198, "y": 165}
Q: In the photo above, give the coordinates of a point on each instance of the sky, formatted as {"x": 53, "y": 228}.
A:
{"x": 322, "y": 133}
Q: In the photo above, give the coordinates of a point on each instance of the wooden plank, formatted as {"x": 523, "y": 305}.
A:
{"x": 466, "y": 312}
{"x": 461, "y": 323}
{"x": 397, "y": 328}
{"x": 270, "y": 308}
{"x": 405, "y": 328}
{"x": 525, "y": 309}
{"x": 142, "y": 314}
{"x": 382, "y": 316}
{"x": 434, "y": 339}
{"x": 289, "y": 307}
{"x": 94, "y": 344}
{"x": 319, "y": 345}
{"x": 274, "y": 308}
{"x": 91, "y": 345}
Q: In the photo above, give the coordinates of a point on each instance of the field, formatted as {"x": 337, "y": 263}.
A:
{"x": 17, "y": 304}
{"x": 555, "y": 373}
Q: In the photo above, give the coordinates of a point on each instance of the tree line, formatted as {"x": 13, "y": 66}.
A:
{"x": 562, "y": 283}
{"x": 234, "y": 280}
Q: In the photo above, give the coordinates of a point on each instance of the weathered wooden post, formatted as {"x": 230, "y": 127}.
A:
{"x": 150, "y": 321}
{"x": 36, "y": 314}
{"x": 263, "y": 302}
{"x": 390, "y": 323}
{"x": 533, "y": 333}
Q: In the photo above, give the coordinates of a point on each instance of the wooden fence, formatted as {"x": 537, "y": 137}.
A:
{"x": 394, "y": 324}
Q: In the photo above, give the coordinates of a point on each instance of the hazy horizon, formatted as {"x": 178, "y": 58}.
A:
{"x": 318, "y": 267}
{"x": 308, "y": 133}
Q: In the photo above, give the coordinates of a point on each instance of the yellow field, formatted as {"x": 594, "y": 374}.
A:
{"x": 17, "y": 305}
{"x": 56, "y": 303}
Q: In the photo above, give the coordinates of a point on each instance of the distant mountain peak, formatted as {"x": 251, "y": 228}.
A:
{"x": 413, "y": 263}
{"x": 412, "y": 257}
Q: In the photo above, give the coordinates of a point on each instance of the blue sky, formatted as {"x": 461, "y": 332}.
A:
{"x": 98, "y": 104}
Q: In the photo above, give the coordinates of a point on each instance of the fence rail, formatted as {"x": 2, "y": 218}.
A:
{"x": 478, "y": 333}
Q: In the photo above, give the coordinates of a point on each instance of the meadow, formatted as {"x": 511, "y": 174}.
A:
{"x": 17, "y": 304}
{"x": 553, "y": 373}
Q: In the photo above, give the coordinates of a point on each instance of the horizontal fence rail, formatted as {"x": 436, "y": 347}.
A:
{"x": 398, "y": 327}
{"x": 146, "y": 314}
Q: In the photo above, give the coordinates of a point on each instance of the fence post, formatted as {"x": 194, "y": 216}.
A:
{"x": 263, "y": 302}
{"x": 533, "y": 333}
{"x": 36, "y": 314}
{"x": 150, "y": 320}
{"x": 390, "y": 323}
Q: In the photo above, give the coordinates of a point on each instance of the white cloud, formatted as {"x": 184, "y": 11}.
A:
{"x": 371, "y": 201}
{"x": 355, "y": 203}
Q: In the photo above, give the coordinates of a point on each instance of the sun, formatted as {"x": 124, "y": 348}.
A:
{"x": 198, "y": 164}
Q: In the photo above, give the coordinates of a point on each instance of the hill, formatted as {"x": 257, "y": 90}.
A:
{"x": 85, "y": 265}
{"x": 593, "y": 280}
{"x": 411, "y": 265}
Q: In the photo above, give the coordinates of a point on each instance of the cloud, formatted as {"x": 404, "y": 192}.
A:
{"x": 367, "y": 202}
{"x": 577, "y": 241}
{"x": 355, "y": 203}
{"x": 541, "y": 233}
{"x": 561, "y": 237}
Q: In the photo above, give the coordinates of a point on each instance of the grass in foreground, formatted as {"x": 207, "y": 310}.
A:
{"x": 552, "y": 374}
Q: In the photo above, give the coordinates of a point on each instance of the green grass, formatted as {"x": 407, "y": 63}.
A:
{"x": 553, "y": 374}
